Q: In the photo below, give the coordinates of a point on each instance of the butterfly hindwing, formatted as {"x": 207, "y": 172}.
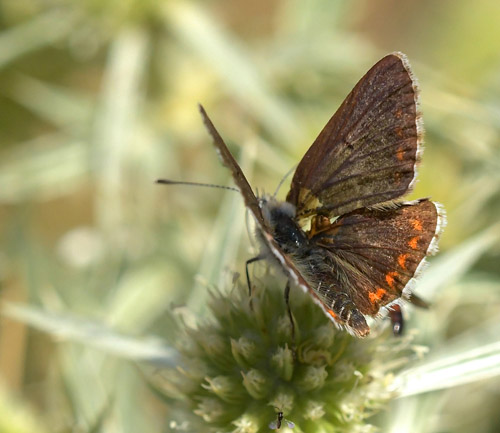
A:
{"x": 367, "y": 152}
{"x": 375, "y": 253}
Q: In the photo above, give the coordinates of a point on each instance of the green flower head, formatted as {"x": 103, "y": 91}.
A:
{"x": 241, "y": 368}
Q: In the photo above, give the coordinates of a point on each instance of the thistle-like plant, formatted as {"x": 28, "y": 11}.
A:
{"x": 240, "y": 368}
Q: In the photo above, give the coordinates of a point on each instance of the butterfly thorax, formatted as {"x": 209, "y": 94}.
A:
{"x": 280, "y": 218}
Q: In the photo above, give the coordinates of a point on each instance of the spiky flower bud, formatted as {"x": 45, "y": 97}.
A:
{"x": 242, "y": 367}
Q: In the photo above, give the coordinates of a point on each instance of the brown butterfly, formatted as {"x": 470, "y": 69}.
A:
{"x": 341, "y": 235}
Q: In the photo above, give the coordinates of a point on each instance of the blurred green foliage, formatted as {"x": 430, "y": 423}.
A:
{"x": 98, "y": 99}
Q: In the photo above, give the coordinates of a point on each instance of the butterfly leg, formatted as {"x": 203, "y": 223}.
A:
{"x": 288, "y": 309}
{"x": 396, "y": 313}
{"x": 249, "y": 261}
{"x": 418, "y": 301}
{"x": 397, "y": 319}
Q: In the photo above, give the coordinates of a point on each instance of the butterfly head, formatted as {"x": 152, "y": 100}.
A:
{"x": 273, "y": 209}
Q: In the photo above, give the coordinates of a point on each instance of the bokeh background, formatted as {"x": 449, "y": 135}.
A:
{"x": 98, "y": 98}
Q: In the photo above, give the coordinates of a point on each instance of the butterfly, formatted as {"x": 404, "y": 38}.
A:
{"x": 276, "y": 425}
{"x": 342, "y": 235}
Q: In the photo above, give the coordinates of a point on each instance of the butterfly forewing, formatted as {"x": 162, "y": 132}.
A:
{"x": 228, "y": 160}
{"x": 252, "y": 204}
{"x": 374, "y": 254}
{"x": 367, "y": 152}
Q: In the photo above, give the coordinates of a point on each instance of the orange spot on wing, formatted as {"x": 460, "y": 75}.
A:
{"x": 417, "y": 225}
{"x": 389, "y": 277}
{"x": 331, "y": 313}
{"x": 400, "y": 154}
{"x": 412, "y": 243}
{"x": 402, "y": 260}
{"x": 377, "y": 296}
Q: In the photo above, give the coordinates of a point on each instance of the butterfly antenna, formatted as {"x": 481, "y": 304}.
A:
{"x": 288, "y": 173}
{"x": 208, "y": 185}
